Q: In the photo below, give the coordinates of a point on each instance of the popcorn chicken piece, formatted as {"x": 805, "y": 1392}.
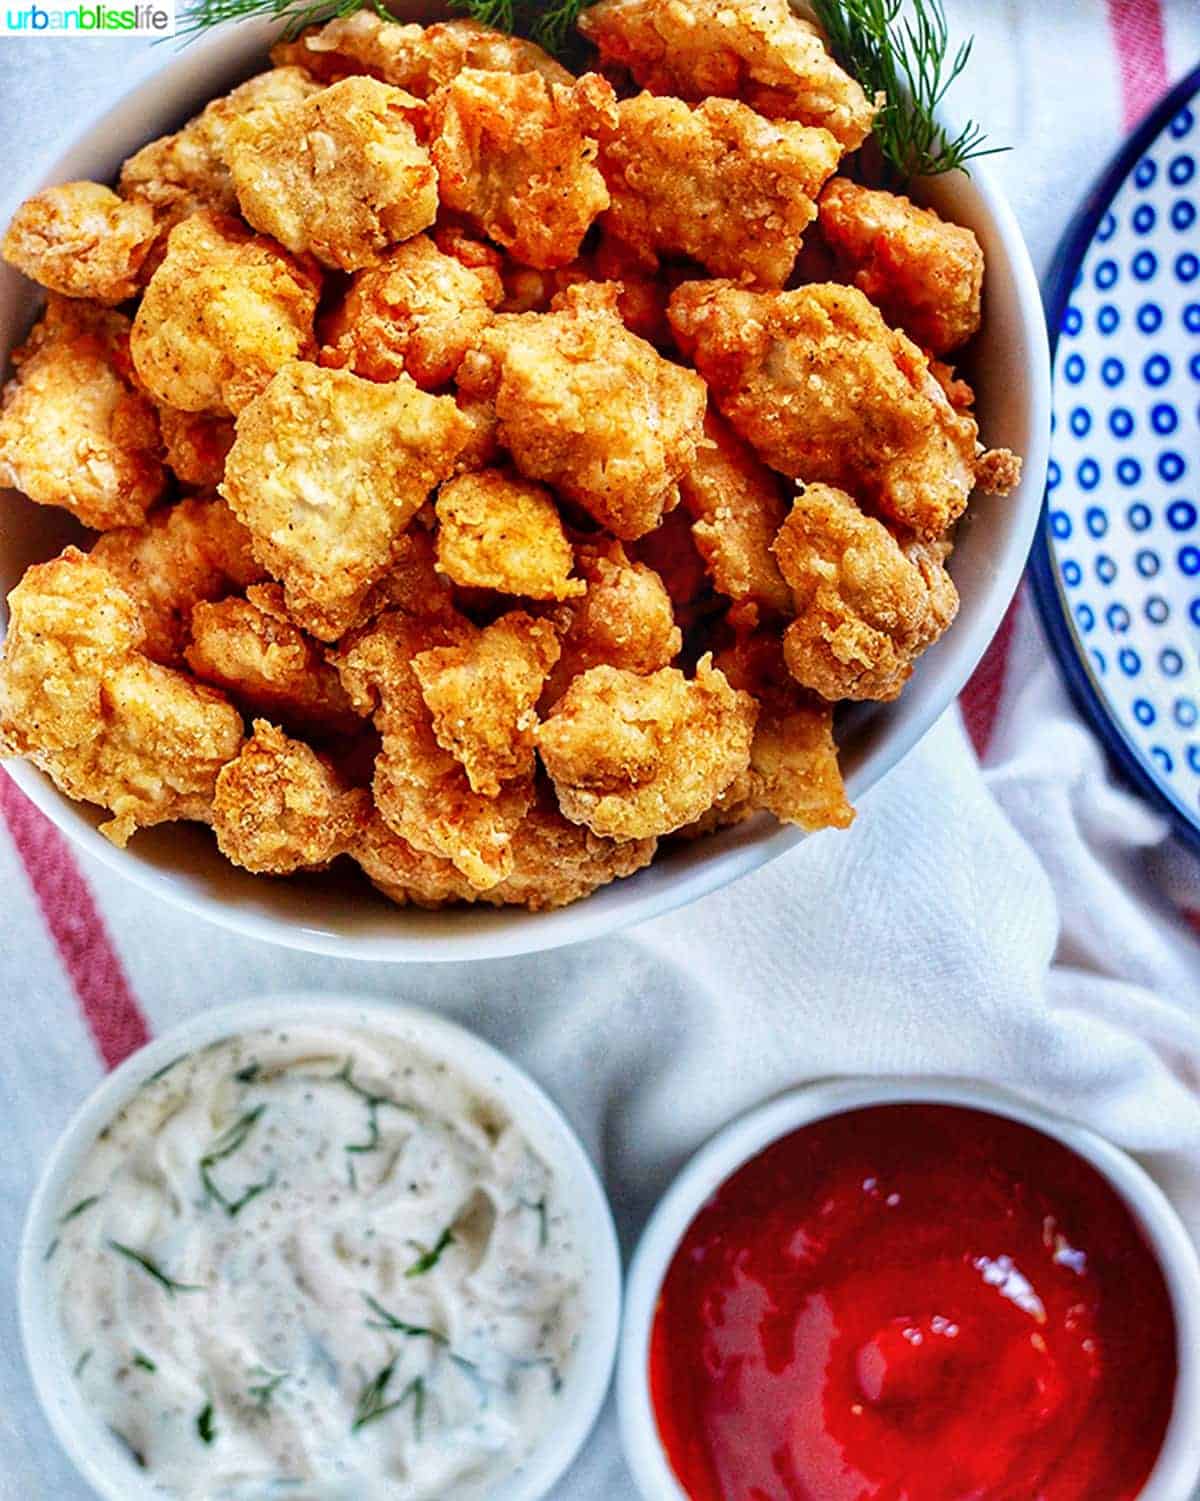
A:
{"x": 737, "y": 509}
{"x": 412, "y": 582}
{"x": 417, "y": 58}
{"x": 867, "y": 605}
{"x": 327, "y": 471}
{"x": 196, "y": 445}
{"x": 638, "y": 757}
{"x": 758, "y": 51}
{"x": 340, "y": 174}
{"x": 497, "y": 531}
{"x": 816, "y": 381}
{"x": 221, "y": 314}
{"x": 924, "y": 274}
{"x": 74, "y": 430}
{"x": 794, "y": 770}
{"x": 185, "y": 173}
{"x": 422, "y": 791}
{"x": 195, "y": 550}
{"x": 624, "y": 619}
{"x": 482, "y": 448}
{"x": 670, "y": 551}
{"x": 107, "y": 725}
{"x": 717, "y": 183}
{"x": 80, "y": 239}
{"x": 515, "y": 154}
{"x": 418, "y": 312}
{"x": 589, "y": 408}
{"x": 456, "y": 240}
{"x": 406, "y": 875}
{"x": 251, "y": 651}
{"x": 279, "y": 807}
{"x": 483, "y": 697}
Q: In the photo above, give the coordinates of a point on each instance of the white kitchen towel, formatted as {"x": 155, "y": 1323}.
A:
{"x": 1019, "y": 922}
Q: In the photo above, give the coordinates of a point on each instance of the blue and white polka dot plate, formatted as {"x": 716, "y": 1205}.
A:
{"x": 1116, "y": 566}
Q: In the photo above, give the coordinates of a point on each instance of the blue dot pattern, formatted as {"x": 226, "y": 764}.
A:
{"x": 1124, "y": 528}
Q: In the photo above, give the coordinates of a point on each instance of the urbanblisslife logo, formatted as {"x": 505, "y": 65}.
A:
{"x": 154, "y": 18}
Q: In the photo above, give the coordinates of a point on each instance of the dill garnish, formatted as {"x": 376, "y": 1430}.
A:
{"x": 373, "y": 1404}
{"x": 539, "y": 1208}
{"x": 77, "y": 1209}
{"x": 204, "y": 1424}
{"x": 161, "y": 1073}
{"x": 143, "y": 1362}
{"x": 430, "y": 1259}
{"x": 229, "y": 1142}
{"x": 248, "y": 1074}
{"x": 266, "y": 1389}
{"x": 152, "y": 1269}
{"x": 81, "y": 1363}
{"x": 52, "y": 1248}
{"x": 906, "y": 57}
{"x": 373, "y": 1102}
{"x": 390, "y": 1321}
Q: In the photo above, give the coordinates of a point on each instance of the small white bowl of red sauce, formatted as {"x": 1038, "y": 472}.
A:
{"x": 919, "y": 1290}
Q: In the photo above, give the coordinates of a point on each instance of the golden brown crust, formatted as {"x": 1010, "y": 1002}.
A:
{"x": 80, "y": 239}
{"x": 637, "y": 757}
{"x": 825, "y": 392}
{"x": 80, "y": 700}
{"x": 866, "y": 605}
{"x": 924, "y": 274}
{"x": 515, "y": 154}
{"x": 279, "y": 808}
{"x": 196, "y": 445}
{"x": 717, "y": 183}
{"x": 498, "y": 531}
{"x": 340, "y": 175}
{"x": 182, "y": 554}
{"x": 589, "y": 408}
{"x": 758, "y": 51}
{"x": 327, "y": 471}
{"x": 74, "y": 430}
{"x": 222, "y": 313}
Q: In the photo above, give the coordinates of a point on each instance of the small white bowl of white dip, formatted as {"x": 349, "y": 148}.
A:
{"x": 321, "y": 1249}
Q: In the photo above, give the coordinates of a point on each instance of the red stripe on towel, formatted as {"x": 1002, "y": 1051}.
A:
{"x": 980, "y": 699}
{"x": 112, "y": 1013}
{"x": 1137, "y": 30}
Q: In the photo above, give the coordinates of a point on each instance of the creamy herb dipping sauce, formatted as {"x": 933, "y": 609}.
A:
{"x": 316, "y": 1263}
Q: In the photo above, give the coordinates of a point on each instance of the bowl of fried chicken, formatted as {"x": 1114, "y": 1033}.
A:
{"x": 463, "y": 504}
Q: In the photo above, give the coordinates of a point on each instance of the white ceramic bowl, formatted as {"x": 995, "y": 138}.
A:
{"x": 94, "y": 1451}
{"x": 1177, "y": 1472}
{"x": 342, "y": 916}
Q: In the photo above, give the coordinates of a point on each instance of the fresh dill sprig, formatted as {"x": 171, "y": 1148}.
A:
{"x": 905, "y": 55}
{"x": 229, "y": 1142}
{"x": 388, "y": 1320}
{"x": 81, "y": 1363}
{"x": 81, "y": 1208}
{"x": 266, "y": 1389}
{"x": 205, "y": 1426}
{"x": 297, "y": 15}
{"x": 152, "y": 1269}
{"x": 373, "y": 1404}
{"x": 143, "y": 1362}
{"x": 427, "y": 1261}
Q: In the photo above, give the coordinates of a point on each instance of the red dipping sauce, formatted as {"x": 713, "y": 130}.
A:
{"x": 914, "y": 1303}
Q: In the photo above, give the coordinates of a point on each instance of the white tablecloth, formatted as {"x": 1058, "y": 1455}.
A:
{"x": 1019, "y": 921}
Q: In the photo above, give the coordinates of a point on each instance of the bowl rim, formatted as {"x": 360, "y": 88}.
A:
{"x": 474, "y": 933}
{"x": 1067, "y": 647}
{"x": 1177, "y": 1470}
{"x": 97, "y": 1458}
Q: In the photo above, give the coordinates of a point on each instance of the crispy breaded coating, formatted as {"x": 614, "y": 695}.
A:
{"x": 417, "y": 58}
{"x": 624, "y": 619}
{"x": 340, "y": 175}
{"x": 418, "y": 312}
{"x": 498, "y": 531}
{"x": 866, "y": 605}
{"x": 106, "y": 724}
{"x": 589, "y": 408}
{"x": 251, "y": 651}
{"x": 816, "y": 381}
{"x": 185, "y": 173}
{"x": 758, "y": 51}
{"x": 196, "y": 445}
{"x": 455, "y": 239}
{"x": 925, "y": 275}
{"x": 412, "y": 582}
{"x": 80, "y": 239}
{"x": 327, "y": 471}
{"x": 794, "y": 771}
{"x": 515, "y": 154}
{"x": 483, "y": 694}
{"x": 74, "y": 430}
{"x": 406, "y": 875}
{"x": 279, "y": 807}
{"x": 222, "y": 313}
{"x": 718, "y": 183}
{"x": 670, "y": 552}
{"x": 998, "y": 471}
{"x": 195, "y": 550}
{"x": 482, "y": 448}
{"x": 737, "y": 508}
{"x": 637, "y": 757}
{"x": 421, "y": 790}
